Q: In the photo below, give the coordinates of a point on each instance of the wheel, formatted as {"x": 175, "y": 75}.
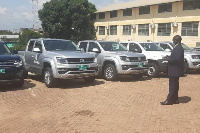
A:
{"x": 153, "y": 70}
{"x": 49, "y": 80}
{"x": 20, "y": 83}
{"x": 110, "y": 72}
{"x": 89, "y": 80}
{"x": 25, "y": 74}
{"x": 137, "y": 76}
{"x": 186, "y": 68}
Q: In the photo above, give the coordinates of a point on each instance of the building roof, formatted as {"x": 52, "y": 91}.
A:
{"x": 136, "y": 3}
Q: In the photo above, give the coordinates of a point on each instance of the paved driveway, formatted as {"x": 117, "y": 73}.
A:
{"x": 125, "y": 106}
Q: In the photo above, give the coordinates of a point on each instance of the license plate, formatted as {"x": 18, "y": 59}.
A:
{"x": 83, "y": 67}
{"x": 2, "y": 71}
{"x": 140, "y": 64}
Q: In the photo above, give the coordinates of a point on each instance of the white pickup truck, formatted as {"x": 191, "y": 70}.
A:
{"x": 155, "y": 55}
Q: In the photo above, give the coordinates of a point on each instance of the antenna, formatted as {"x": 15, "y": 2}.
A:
{"x": 35, "y": 14}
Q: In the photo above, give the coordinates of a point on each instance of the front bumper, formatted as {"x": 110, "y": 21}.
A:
{"x": 130, "y": 68}
{"x": 72, "y": 71}
{"x": 9, "y": 74}
{"x": 194, "y": 64}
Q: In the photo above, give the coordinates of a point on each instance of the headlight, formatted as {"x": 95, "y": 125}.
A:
{"x": 195, "y": 56}
{"x": 18, "y": 63}
{"x": 165, "y": 57}
{"x": 125, "y": 58}
{"x": 61, "y": 60}
{"x": 95, "y": 60}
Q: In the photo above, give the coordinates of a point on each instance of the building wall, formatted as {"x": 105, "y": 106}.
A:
{"x": 177, "y": 15}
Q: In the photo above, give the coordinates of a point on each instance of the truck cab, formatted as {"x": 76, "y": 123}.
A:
{"x": 11, "y": 67}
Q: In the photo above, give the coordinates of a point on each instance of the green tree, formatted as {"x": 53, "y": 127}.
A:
{"x": 68, "y": 19}
{"x": 25, "y": 37}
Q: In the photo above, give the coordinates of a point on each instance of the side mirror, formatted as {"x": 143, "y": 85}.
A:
{"x": 95, "y": 50}
{"x": 168, "y": 50}
{"x": 37, "y": 50}
{"x": 82, "y": 49}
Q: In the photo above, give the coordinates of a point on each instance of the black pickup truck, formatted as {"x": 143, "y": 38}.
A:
{"x": 11, "y": 67}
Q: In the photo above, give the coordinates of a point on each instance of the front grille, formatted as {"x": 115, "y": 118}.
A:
{"x": 137, "y": 59}
{"x": 80, "y": 60}
{"x": 7, "y": 64}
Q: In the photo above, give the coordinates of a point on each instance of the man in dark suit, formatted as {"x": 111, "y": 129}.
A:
{"x": 175, "y": 70}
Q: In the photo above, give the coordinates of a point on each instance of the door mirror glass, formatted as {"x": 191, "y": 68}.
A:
{"x": 37, "y": 50}
{"x": 95, "y": 50}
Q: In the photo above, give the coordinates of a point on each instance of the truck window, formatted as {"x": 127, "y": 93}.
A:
{"x": 30, "y": 46}
{"x": 93, "y": 45}
{"x": 38, "y": 45}
{"x": 60, "y": 45}
{"x": 125, "y": 44}
{"x": 83, "y": 45}
{"x": 4, "y": 49}
{"x": 134, "y": 47}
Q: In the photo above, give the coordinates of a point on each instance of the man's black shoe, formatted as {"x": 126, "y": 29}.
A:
{"x": 166, "y": 103}
{"x": 176, "y": 102}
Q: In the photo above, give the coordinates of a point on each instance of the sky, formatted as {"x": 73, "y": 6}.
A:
{"x": 16, "y": 14}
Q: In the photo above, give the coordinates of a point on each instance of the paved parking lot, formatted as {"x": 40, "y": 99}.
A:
{"x": 124, "y": 106}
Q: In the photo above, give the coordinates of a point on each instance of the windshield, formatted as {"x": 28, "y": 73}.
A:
{"x": 4, "y": 50}
{"x": 151, "y": 47}
{"x": 185, "y": 47}
{"x": 112, "y": 46}
{"x": 60, "y": 45}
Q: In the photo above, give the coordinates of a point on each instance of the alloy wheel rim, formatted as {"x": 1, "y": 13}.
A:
{"x": 47, "y": 77}
{"x": 109, "y": 72}
{"x": 151, "y": 70}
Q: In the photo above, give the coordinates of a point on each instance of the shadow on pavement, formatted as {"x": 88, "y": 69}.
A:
{"x": 129, "y": 78}
{"x": 76, "y": 84}
{"x": 4, "y": 87}
{"x": 184, "y": 99}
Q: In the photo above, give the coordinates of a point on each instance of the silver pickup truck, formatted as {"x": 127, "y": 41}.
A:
{"x": 113, "y": 59}
{"x": 192, "y": 58}
{"x": 58, "y": 59}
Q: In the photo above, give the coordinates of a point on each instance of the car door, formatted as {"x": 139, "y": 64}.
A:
{"x": 98, "y": 55}
{"x": 37, "y": 58}
{"x": 29, "y": 55}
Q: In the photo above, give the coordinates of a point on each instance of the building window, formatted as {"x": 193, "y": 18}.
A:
{"x": 93, "y": 16}
{"x": 102, "y": 15}
{"x": 164, "y": 29}
{"x": 191, "y": 5}
{"x": 126, "y": 29}
{"x": 144, "y": 10}
{"x": 190, "y": 29}
{"x": 113, "y": 14}
{"x": 102, "y": 30}
{"x": 165, "y": 8}
{"x": 143, "y": 29}
{"x": 113, "y": 30}
{"x": 127, "y": 12}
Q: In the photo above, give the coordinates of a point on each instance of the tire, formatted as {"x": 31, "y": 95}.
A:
{"x": 49, "y": 80}
{"x": 186, "y": 68}
{"x": 110, "y": 72}
{"x": 153, "y": 70}
{"x": 20, "y": 83}
{"x": 25, "y": 74}
{"x": 137, "y": 76}
{"x": 89, "y": 80}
